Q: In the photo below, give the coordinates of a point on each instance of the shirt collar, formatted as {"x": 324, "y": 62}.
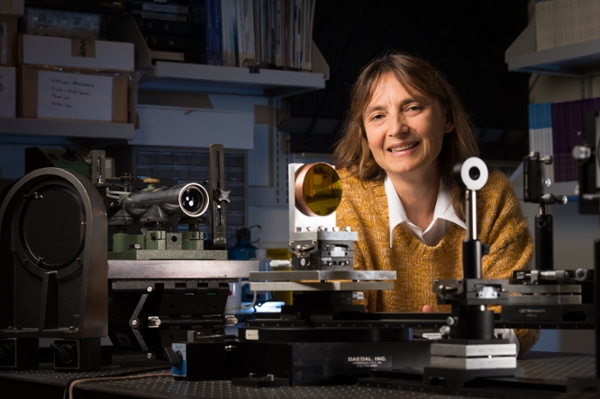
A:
{"x": 443, "y": 207}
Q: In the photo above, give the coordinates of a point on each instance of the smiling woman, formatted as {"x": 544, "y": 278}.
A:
{"x": 405, "y": 131}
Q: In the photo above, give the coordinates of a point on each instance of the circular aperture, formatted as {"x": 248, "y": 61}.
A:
{"x": 474, "y": 173}
{"x": 194, "y": 200}
{"x": 52, "y": 227}
{"x": 191, "y": 200}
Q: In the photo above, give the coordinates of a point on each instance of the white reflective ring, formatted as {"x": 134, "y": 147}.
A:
{"x": 468, "y": 181}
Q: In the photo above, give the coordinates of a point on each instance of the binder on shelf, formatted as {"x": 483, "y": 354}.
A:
{"x": 198, "y": 18}
{"x": 214, "y": 35}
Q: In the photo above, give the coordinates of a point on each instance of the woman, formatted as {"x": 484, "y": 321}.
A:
{"x": 405, "y": 131}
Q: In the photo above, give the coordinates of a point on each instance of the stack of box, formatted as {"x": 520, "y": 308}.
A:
{"x": 10, "y": 12}
{"x": 64, "y": 78}
{"x": 61, "y": 77}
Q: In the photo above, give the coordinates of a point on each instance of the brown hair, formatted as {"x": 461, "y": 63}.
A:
{"x": 352, "y": 150}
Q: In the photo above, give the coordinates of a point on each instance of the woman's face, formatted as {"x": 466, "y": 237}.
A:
{"x": 405, "y": 131}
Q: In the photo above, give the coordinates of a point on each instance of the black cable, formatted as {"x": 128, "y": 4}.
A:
{"x": 123, "y": 374}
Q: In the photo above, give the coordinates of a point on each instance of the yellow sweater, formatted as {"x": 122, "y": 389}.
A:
{"x": 500, "y": 224}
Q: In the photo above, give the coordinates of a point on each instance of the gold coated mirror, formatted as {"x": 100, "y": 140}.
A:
{"x": 318, "y": 189}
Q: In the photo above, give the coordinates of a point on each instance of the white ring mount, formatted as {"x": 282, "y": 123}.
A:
{"x": 474, "y": 173}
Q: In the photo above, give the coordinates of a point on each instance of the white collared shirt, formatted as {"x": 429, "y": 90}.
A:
{"x": 443, "y": 215}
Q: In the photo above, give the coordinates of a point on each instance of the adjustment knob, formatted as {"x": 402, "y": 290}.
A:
{"x": 581, "y": 152}
{"x": 65, "y": 352}
{"x": 175, "y": 357}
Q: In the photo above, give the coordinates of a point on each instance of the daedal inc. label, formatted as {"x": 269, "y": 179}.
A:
{"x": 379, "y": 362}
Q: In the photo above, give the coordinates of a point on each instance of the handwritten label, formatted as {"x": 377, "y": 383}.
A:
{"x": 74, "y": 96}
{"x": 83, "y": 48}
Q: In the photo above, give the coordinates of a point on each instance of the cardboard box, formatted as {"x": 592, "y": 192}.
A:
{"x": 194, "y": 127}
{"x": 12, "y": 7}
{"x": 8, "y": 92}
{"x": 8, "y": 40}
{"x": 71, "y": 93}
{"x": 77, "y": 53}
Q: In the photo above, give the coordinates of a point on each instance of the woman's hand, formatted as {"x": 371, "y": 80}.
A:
{"x": 427, "y": 309}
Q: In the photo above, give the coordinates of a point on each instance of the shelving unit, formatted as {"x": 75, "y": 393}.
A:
{"x": 207, "y": 79}
{"x": 580, "y": 61}
{"x": 180, "y": 77}
{"x": 66, "y": 128}
{"x": 576, "y": 60}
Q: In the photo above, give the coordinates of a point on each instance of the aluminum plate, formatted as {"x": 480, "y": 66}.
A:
{"x": 354, "y": 275}
{"x": 545, "y": 289}
{"x": 154, "y": 269}
{"x": 322, "y": 286}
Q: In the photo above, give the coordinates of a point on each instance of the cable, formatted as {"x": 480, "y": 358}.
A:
{"x": 68, "y": 393}
{"x": 130, "y": 377}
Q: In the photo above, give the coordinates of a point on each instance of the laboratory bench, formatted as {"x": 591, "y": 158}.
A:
{"x": 546, "y": 376}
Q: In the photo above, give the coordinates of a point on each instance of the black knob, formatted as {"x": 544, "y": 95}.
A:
{"x": 65, "y": 352}
{"x": 175, "y": 358}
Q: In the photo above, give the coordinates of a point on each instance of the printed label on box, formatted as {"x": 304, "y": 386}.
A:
{"x": 74, "y": 96}
{"x": 374, "y": 362}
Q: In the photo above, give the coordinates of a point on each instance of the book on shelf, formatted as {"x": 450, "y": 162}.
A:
{"x": 555, "y": 129}
{"x": 229, "y": 32}
{"x": 169, "y": 42}
{"x": 165, "y": 27}
{"x": 198, "y": 17}
{"x": 160, "y": 16}
{"x": 178, "y": 56}
{"x": 244, "y": 10}
{"x": 161, "y": 7}
{"x": 214, "y": 36}
{"x": 237, "y": 33}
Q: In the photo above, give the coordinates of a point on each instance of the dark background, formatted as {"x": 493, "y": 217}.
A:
{"x": 465, "y": 39}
